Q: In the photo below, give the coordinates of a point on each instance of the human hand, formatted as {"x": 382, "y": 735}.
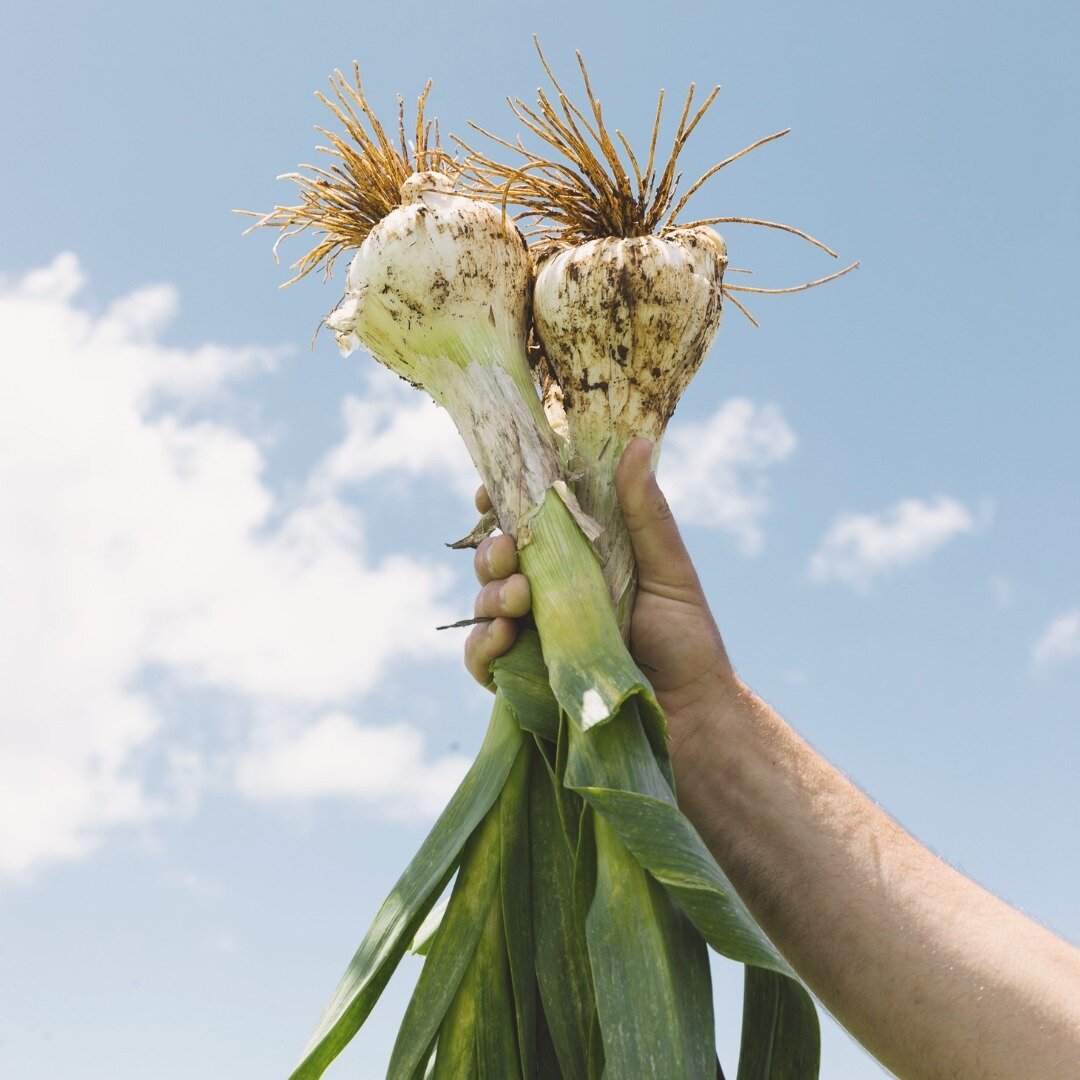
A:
{"x": 672, "y": 631}
{"x": 504, "y": 597}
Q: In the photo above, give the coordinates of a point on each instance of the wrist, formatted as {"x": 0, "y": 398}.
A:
{"x": 700, "y": 721}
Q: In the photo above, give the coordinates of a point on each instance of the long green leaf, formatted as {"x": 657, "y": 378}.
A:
{"x": 429, "y": 1069}
{"x": 614, "y": 771}
{"x": 412, "y": 897}
{"x": 776, "y": 1018}
{"x": 584, "y": 894}
{"x": 426, "y": 1068}
{"x": 521, "y": 677}
{"x": 633, "y": 787}
{"x": 589, "y": 670}
{"x": 452, "y": 949}
{"x": 613, "y": 768}
{"x": 570, "y": 803}
{"x": 422, "y": 941}
{"x": 515, "y": 892}
{"x": 547, "y": 1061}
{"x": 497, "y": 1055}
{"x": 562, "y": 964}
{"x": 478, "y": 1033}
{"x": 651, "y": 973}
{"x": 455, "y": 1057}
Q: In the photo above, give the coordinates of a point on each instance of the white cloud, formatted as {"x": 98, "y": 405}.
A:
{"x": 857, "y": 548}
{"x": 1060, "y": 641}
{"x": 713, "y": 470}
{"x": 392, "y": 430}
{"x": 338, "y": 756}
{"x": 134, "y": 538}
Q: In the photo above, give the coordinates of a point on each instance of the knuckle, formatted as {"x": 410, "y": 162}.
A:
{"x": 475, "y": 660}
{"x": 518, "y": 596}
{"x": 659, "y": 507}
{"x": 488, "y": 600}
{"x": 502, "y": 555}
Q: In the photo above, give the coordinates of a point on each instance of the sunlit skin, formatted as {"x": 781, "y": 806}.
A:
{"x": 930, "y": 972}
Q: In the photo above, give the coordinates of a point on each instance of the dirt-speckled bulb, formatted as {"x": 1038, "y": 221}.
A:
{"x": 625, "y": 323}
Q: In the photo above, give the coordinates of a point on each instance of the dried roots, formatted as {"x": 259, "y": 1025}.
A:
{"x": 586, "y": 192}
{"x": 347, "y": 199}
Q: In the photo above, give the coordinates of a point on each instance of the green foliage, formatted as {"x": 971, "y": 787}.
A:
{"x": 573, "y": 946}
{"x": 416, "y": 892}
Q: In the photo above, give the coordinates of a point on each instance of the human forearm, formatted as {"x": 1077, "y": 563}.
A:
{"x": 934, "y": 975}
{"x": 930, "y": 972}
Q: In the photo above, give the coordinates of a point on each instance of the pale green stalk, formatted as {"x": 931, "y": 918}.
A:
{"x": 439, "y": 293}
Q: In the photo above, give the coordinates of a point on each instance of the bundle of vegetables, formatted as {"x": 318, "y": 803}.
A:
{"x": 573, "y": 942}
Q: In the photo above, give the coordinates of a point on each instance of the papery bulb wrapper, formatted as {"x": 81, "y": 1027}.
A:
{"x": 439, "y": 292}
{"x": 625, "y": 323}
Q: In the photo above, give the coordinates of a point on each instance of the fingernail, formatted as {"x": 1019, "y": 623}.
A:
{"x": 487, "y": 559}
{"x": 502, "y": 593}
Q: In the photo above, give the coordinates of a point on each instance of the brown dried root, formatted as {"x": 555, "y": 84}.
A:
{"x": 586, "y": 193}
{"x": 347, "y": 200}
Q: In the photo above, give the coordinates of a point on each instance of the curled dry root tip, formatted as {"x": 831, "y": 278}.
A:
{"x": 586, "y": 192}
{"x": 728, "y": 291}
{"x": 348, "y": 198}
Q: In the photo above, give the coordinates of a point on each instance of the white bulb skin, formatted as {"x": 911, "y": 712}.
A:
{"x": 626, "y": 322}
{"x": 440, "y": 293}
{"x": 428, "y": 272}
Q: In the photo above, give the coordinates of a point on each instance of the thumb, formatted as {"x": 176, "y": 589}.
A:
{"x": 664, "y": 564}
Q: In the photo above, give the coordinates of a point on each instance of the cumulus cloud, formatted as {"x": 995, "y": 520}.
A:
{"x": 144, "y": 555}
{"x": 394, "y": 431}
{"x": 1059, "y": 642}
{"x": 337, "y": 756}
{"x": 714, "y": 470}
{"x": 136, "y": 538}
{"x": 859, "y": 547}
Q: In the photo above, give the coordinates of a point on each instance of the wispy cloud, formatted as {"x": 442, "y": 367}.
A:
{"x": 857, "y": 548}
{"x": 1059, "y": 642}
{"x": 135, "y": 537}
{"x": 714, "y": 471}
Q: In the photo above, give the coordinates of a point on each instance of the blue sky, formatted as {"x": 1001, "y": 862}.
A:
{"x": 227, "y": 719}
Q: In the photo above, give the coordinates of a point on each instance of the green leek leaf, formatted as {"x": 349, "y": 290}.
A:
{"x": 496, "y": 1030}
{"x": 778, "y": 1031}
{"x": 589, "y": 670}
{"x": 613, "y": 768}
{"x": 515, "y": 892}
{"x": 651, "y": 972}
{"x": 415, "y": 893}
{"x": 442, "y": 979}
{"x": 523, "y": 682}
{"x": 562, "y": 963}
{"x": 455, "y": 1057}
{"x": 547, "y": 1062}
